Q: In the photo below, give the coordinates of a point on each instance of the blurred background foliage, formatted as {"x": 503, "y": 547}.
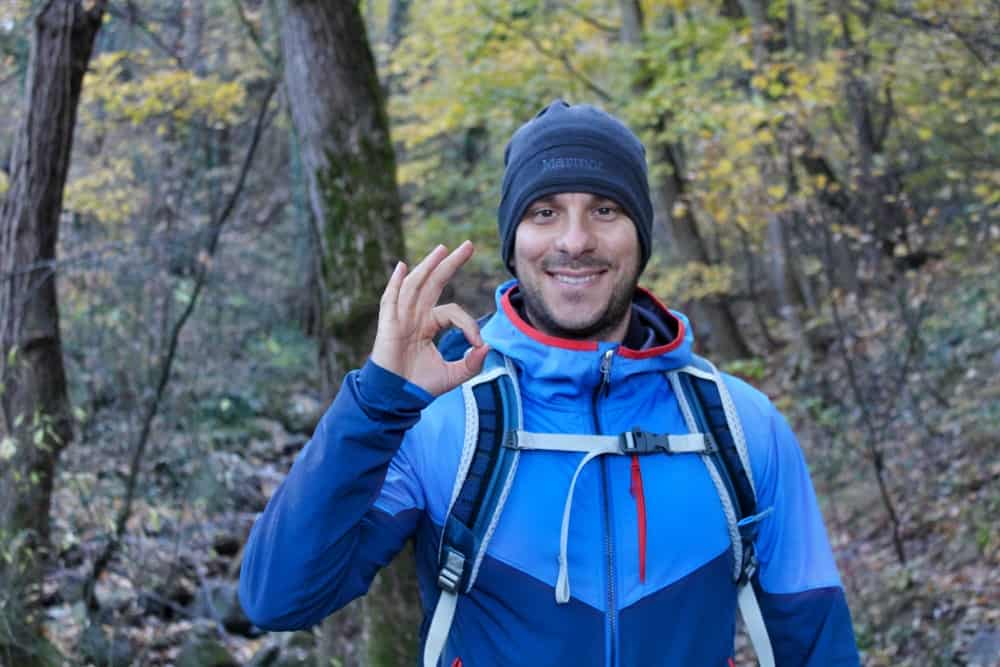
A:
{"x": 827, "y": 173}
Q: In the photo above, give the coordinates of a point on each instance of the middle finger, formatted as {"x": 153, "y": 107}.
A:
{"x": 412, "y": 284}
{"x": 442, "y": 274}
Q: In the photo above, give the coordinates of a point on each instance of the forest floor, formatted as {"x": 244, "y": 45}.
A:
{"x": 169, "y": 599}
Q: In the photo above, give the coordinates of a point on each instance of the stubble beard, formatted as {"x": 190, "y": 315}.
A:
{"x": 542, "y": 318}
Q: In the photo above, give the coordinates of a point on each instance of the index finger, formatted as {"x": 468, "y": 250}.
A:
{"x": 390, "y": 296}
{"x": 443, "y": 273}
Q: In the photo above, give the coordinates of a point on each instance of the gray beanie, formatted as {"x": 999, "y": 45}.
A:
{"x": 574, "y": 149}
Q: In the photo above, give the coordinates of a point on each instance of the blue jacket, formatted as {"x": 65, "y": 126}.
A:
{"x": 380, "y": 469}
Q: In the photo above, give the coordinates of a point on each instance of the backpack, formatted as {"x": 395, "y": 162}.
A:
{"x": 494, "y": 441}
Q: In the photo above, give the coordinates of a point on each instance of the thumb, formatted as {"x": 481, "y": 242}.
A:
{"x": 471, "y": 363}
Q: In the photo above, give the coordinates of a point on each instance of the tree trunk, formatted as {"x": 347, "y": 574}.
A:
{"x": 35, "y": 424}
{"x": 194, "y": 32}
{"x": 339, "y": 115}
{"x": 398, "y": 13}
{"x": 347, "y": 155}
{"x": 714, "y": 315}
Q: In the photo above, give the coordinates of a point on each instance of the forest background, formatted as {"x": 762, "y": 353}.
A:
{"x": 201, "y": 201}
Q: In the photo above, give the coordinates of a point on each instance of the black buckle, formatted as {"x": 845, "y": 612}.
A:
{"x": 637, "y": 441}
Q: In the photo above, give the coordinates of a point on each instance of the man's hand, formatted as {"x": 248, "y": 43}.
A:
{"x": 408, "y": 320}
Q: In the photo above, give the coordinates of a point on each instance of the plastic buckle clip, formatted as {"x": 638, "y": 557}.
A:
{"x": 637, "y": 441}
{"x": 451, "y": 573}
{"x": 510, "y": 440}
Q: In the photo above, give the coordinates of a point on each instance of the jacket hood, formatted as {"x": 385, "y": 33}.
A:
{"x": 562, "y": 369}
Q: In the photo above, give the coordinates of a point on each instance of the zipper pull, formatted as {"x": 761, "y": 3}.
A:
{"x": 606, "y": 371}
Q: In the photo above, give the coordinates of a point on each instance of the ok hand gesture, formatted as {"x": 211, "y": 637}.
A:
{"x": 408, "y": 320}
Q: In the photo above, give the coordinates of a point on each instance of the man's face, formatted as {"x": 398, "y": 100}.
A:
{"x": 576, "y": 256}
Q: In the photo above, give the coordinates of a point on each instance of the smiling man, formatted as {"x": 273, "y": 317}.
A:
{"x": 580, "y": 487}
{"x": 577, "y": 259}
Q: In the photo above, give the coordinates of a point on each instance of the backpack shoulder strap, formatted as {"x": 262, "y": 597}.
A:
{"x": 708, "y": 407}
{"x": 715, "y": 412}
{"x": 485, "y": 474}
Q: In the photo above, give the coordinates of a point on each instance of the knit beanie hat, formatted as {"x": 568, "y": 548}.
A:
{"x": 576, "y": 148}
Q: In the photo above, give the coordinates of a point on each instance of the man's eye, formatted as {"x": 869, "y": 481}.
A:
{"x": 543, "y": 213}
{"x": 606, "y": 212}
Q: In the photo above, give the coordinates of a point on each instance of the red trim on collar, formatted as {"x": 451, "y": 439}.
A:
{"x": 535, "y": 334}
{"x": 629, "y": 353}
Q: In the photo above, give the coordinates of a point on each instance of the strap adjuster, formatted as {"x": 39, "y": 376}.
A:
{"x": 451, "y": 572}
{"x": 638, "y": 441}
{"x": 510, "y": 440}
{"x": 749, "y": 566}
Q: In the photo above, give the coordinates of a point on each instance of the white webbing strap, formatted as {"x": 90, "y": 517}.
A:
{"x": 437, "y": 634}
{"x": 562, "y": 581}
{"x": 593, "y": 446}
{"x": 687, "y": 443}
{"x": 754, "y": 622}
{"x": 568, "y": 442}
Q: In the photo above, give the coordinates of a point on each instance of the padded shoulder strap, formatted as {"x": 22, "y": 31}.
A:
{"x": 707, "y": 406}
{"x": 492, "y": 409}
{"x": 485, "y": 475}
{"x": 711, "y": 397}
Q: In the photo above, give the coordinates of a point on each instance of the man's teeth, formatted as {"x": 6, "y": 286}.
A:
{"x": 574, "y": 280}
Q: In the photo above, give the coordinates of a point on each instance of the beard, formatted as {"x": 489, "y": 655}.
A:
{"x": 542, "y": 317}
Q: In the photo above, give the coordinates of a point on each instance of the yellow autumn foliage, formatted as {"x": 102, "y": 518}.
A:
{"x": 165, "y": 92}
{"x": 106, "y": 193}
{"x": 690, "y": 281}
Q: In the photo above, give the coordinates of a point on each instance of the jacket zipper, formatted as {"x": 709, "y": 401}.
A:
{"x": 602, "y": 389}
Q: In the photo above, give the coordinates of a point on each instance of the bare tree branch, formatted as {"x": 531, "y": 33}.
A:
{"x": 559, "y": 56}
{"x": 166, "y": 364}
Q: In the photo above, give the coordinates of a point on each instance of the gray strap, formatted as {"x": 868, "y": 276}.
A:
{"x": 562, "y": 581}
{"x": 732, "y": 418}
{"x": 594, "y": 446}
{"x": 437, "y": 634}
{"x": 688, "y": 443}
{"x": 568, "y": 442}
{"x": 754, "y": 622}
{"x": 716, "y": 477}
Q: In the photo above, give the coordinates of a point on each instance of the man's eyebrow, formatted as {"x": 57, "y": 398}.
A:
{"x": 546, "y": 201}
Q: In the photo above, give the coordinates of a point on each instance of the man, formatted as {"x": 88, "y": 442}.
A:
{"x": 641, "y": 572}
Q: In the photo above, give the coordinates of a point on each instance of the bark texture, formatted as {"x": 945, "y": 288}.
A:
{"x": 721, "y": 333}
{"x": 339, "y": 115}
{"x": 35, "y": 425}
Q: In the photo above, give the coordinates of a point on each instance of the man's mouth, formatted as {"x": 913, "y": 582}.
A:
{"x": 574, "y": 278}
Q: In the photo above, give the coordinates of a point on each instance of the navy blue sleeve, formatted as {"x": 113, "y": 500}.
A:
{"x": 320, "y": 540}
{"x": 797, "y": 584}
{"x": 811, "y": 627}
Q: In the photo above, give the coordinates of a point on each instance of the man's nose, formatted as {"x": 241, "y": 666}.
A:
{"x": 576, "y": 236}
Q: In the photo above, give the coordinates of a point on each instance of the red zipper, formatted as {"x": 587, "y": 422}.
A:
{"x": 640, "y": 509}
